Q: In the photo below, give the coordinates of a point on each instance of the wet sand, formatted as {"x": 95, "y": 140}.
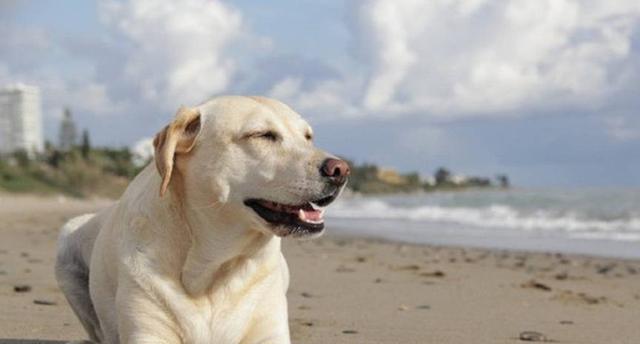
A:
{"x": 352, "y": 290}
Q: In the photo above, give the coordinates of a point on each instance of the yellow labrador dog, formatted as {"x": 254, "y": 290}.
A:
{"x": 191, "y": 252}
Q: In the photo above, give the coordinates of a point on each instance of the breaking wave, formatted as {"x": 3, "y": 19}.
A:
{"x": 492, "y": 216}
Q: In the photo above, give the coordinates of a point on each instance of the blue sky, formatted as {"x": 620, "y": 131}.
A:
{"x": 545, "y": 91}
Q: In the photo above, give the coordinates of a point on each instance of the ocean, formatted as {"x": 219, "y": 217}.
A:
{"x": 603, "y": 222}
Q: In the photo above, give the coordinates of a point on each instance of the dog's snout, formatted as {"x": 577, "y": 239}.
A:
{"x": 336, "y": 170}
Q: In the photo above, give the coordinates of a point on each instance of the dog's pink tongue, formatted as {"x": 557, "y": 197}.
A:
{"x": 310, "y": 215}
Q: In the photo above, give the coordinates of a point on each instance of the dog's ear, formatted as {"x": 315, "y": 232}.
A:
{"x": 179, "y": 137}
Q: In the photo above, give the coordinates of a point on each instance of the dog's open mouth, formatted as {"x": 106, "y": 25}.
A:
{"x": 301, "y": 219}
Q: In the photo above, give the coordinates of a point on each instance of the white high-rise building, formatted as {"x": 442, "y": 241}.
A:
{"x": 20, "y": 119}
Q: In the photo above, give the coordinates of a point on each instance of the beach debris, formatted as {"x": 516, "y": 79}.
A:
{"x": 561, "y": 276}
{"x": 377, "y": 280}
{"x": 605, "y": 269}
{"x": 361, "y": 259}
{"x": 403, "y": 308}
{"x": 423, "y": 307}
{"x": 305, "y": 294}
{"x": 349, "y": 331}
{"x": 22, "y": 288}
{"x": 532, "y": 336}
{"x": 519, "y": 264}
{"x": 566, "y": 322}
{"x": 592, "y": 300}
{"x": 536, "y": 285}
{"x": 410, "y": 267}
{"x": 304, "y": 322}
{"x": 581, "y": 297}
{"x": 44, "y": 302}
{"x": 436, "y": 273}
{"x": 343, "y": 268}
{"x": 341, "y": 243}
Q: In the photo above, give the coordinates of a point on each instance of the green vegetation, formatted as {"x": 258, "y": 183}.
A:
{"x": 80, "y": 172}
{"x": 371, "y": 179}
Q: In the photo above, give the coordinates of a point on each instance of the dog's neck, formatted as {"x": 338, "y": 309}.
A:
{"x": 211, "y": 246}
{"x": 223, "y": 252}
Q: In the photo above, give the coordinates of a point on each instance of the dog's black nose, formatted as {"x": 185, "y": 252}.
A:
{"x": 336, "y": 170}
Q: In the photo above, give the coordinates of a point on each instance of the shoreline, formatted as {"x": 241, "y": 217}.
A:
{"x": 347, "y": 289}
{"x": 582, "y": 247}
{"x": 334, "y": 236}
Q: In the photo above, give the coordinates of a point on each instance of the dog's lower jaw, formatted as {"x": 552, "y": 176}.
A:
{"x": 285, "y": 232}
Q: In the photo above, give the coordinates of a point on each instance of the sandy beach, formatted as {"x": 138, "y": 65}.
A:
{"x": 354, "y": 290}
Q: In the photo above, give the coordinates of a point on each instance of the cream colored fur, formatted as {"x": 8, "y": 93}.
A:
{"x": 179, "y": 258}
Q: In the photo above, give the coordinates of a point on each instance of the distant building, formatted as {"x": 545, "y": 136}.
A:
{"x": 391, "y": 176}
{"x": 458, "y": 179}
{"x": 20, "y": 119}
{"x": 67, "y": 134}
{"x": 429, "y": 180}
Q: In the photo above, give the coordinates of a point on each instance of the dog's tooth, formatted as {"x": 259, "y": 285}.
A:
{"x": 302, "y": 215}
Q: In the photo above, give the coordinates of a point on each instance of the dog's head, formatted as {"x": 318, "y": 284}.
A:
{"x": 253, "y": 159}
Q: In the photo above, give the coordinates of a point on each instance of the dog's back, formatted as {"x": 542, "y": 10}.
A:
{"x": 75, "y": 243}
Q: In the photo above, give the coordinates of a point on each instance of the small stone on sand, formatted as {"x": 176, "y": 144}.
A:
{"x": 536, "y": 285}
{"x": 532, "y": 336}
{"x": 44, "y": 302}
{"x": 24, "y": 288}
{"x": 436, "y": 273}
{"x": 411, "y": 267}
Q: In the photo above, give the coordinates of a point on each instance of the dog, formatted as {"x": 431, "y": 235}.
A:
{"x": 191, "y": 252}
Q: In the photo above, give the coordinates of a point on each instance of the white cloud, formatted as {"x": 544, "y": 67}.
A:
{"x": 177, "y": 51}
{"x": 447, "y": 59}
{"x": 454, "y": 57}
{"x": 325, "y": 100}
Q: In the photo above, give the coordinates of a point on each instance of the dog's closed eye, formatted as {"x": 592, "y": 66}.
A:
{"x": 265, "y": 134}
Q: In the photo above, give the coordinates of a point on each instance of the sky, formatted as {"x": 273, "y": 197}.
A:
{"x": 546, "y": 91}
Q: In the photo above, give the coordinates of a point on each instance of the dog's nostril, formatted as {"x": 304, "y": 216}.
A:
{"x": 337, "y": 170}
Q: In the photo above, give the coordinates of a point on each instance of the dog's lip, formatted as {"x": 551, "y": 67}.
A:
{"x": 304, "y": 218}
{"x": 326, "y": 200}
